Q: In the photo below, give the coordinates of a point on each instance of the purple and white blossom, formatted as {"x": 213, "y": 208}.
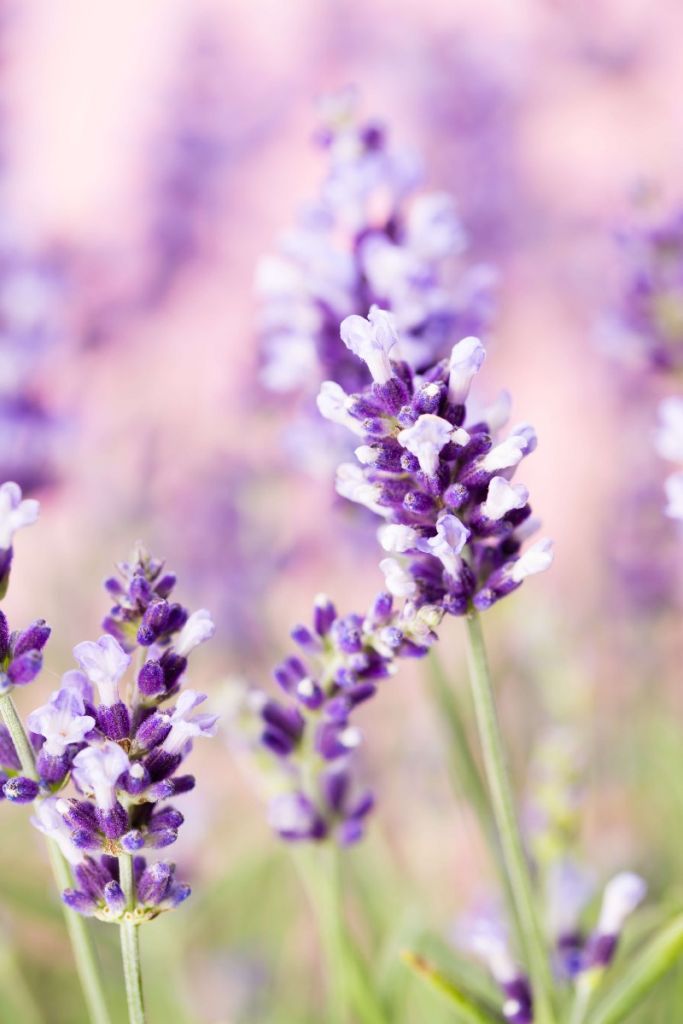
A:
{"x": 368, "y": 239}
{"x": 104, "y": 663}
{"x": 441, "y": 478}
{"x": 123, "y": 755}
{"x": 622, "y": 896}
{"x": 485, "y": 935}
{"x": 309, "y": 735}
{"x": 645, "y": 328}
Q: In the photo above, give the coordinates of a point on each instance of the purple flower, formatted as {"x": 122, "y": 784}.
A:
{"x": 485, "y": 935}
{"x": 441, "y": 479}
{"x": 309, "y": 734}
{"x": 122, "y": 757}
{"x": 364, "y": 242}
{"x": 99, "y": 894}
{"x": 623, "y": 894}
{"x": 104, "y": 663}
{"x": 646, "y": 328}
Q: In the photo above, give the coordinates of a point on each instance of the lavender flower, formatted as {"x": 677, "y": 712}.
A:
{"x": 440, "y": 477}
{"x": 362, "y": 242}
{"x": 108, "y": 730}
{"x": 485, "y": 935}
{"x": 310, "y": 739}
{"x": 622, "y": 895}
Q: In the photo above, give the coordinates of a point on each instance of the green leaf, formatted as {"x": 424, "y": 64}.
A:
{"x": 643, "y": 973}
{"x": 469, "y": 1010}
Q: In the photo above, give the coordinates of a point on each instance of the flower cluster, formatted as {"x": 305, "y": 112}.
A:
{"x": 437, "y": 472}
{"x": 309, "y": 737}
{"x": 669, "y": 444}
{"x": 108, "y": 731}
{"x": 647, "y": 328}
{"x": 486, "y": 936}
{"x": 363, "y": 242}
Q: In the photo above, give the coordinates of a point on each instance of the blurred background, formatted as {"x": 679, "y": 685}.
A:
{"x": 150, "y": 156}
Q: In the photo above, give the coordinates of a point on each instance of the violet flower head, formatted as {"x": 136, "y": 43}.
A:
{"x": 120, "y": 737}
{"x": 310, "y": 738}
{"x": 367, "y": 239}
{"x": 440, "y": 476}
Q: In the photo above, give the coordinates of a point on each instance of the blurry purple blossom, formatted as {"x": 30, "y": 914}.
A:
{"x": 645, "y": 329}
{"x": 364, "y": 241}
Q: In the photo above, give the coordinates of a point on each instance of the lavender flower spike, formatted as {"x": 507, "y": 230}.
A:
{"x": 442, "y": 481}
{"x": 310, "y": 737}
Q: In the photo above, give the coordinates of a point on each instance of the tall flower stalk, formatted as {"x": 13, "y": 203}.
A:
{"x": 17, "y": 669}
{"x": 106, "y": 733}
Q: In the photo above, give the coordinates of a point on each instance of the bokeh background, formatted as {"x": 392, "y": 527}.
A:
{"x": 150, "y": 155}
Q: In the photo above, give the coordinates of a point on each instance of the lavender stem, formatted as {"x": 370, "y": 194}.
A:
{"x": 130, "y": 944}
{"x": 495, "y": 763}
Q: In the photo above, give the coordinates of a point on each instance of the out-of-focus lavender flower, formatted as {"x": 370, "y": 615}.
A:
{"x": 484, "y": 934}
{"x": 646, "y": 330}
{"x": 622, "y": 896}
{"x": 187, "y": 162}
{"x": 34, "y": 291}
{"x": 230, "y": 500}
{"x": 108, "y": 730}
{"x": 468, "y": 91}
{"x": 669, "y": 444}
{"x": 438, "y": 475}
{"x": 578, "y": 959}
{"x": 309, "y": 737}
{"x": 363, "y": 241}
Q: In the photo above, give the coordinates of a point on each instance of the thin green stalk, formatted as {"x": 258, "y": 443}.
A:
{"x": 130, "y": 944}
{"x": 349, "y": 985}
{"x": 502, "y": 802}
{"x": 464, "y": 770}
{"x": 81, "y": 942}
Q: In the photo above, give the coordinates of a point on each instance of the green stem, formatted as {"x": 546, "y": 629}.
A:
{"x": 81, "y": 942}
{"x": 349, "y": 985}
{"x": 506, "y": 821}
{"x": 464, "y": 770}
{"x": 130, "y": 944}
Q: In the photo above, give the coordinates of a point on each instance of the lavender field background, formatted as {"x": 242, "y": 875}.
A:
{"x": 151, "y": 156}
